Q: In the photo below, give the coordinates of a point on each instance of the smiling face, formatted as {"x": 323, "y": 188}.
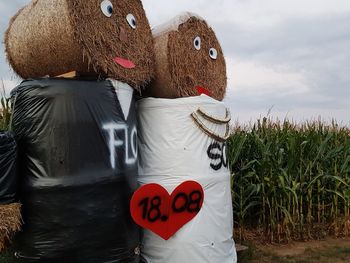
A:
{"x": 189, "y": 61}
{"x": 105, "y": 38}
{"x": 115, "y": 37}
{"x": 196, "y": 60}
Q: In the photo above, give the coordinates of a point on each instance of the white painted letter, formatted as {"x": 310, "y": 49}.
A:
{"x": 113, "y": 143}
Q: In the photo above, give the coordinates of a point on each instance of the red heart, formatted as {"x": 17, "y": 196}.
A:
{"x": 153, "y": 208}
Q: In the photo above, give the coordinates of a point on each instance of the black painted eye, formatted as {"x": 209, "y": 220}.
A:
{"x": 107, "y": 8}
{"x": 131, "y": 21}
{"x": 197, "y": 43}
{"x": 213, "y": 53}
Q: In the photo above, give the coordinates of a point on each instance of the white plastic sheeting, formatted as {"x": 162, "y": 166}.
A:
{"x": 125, "y": 94}
{"x": 172, "y": 150}
{"x": 173, "y": 24}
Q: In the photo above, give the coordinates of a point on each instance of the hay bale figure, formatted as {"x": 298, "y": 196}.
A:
{"x": 189, "y": 60}
{"x": 76, "y": 191}
{"x": 109, "y": 38}
{"x": 184, "y": 139}
{"x": 77, "y": 170}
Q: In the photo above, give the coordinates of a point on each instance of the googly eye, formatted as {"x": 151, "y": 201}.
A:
{"x": 213, "y": 53}
{"x": 131, "y": 21}
{"x": 197, "y": 43}
{"x": 107, "y": 8}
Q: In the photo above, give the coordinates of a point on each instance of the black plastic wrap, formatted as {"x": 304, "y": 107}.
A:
{"x": 75, "y": 195}
{"x": 8, "y": 180}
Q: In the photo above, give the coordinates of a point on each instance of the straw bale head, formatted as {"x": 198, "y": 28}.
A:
{"x": 109, "y": 38}
{"x": 189, "y": 60}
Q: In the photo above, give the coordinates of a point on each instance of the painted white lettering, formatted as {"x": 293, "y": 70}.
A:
{"x": 134, "y": 143}
{"x": 114, "y": 142}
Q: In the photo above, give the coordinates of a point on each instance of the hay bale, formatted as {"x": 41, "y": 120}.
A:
{"x": 181, "y": 67}
{"x": 10, "y": 222}
{"x": 52, "y": 37}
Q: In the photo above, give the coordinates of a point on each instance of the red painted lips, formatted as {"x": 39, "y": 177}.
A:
{"x": 128, "y": 64}
{"x": 202, "y": 90}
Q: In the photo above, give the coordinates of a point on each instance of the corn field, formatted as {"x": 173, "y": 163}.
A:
{"x": 5, "y": 108}
{"x": 289, "y": 181}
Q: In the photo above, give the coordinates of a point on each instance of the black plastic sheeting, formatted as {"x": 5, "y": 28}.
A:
{"x": 8, "y": 180}
{"x": 75, "y": 196}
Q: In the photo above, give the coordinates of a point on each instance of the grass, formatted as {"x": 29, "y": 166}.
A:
{"x": 5, "y": 109}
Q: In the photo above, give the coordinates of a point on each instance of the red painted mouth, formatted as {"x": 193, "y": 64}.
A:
{"x": 202, "y": 90}
{"x": 124, "y": 62}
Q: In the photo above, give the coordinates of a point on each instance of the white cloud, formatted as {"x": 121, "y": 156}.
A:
{"x": 7, "y": 85}
{"x": 290, "y": 54}
{"x": 257, "y": 78}
{"x": 297, "y": 115}
{"x": 250, "y": 13}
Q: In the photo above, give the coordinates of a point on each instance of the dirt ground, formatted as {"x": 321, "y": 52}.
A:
{"x": 326, "y": 251}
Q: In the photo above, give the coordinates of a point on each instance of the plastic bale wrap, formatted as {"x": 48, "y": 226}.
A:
{"x": 180, "y": 67}
{"x": 10, "y": 210}
{"x": 174, "y": 149}
{"x": 8, "y": 179}
{"x": 76, "y": 143}
{"x": 52, "y": 37}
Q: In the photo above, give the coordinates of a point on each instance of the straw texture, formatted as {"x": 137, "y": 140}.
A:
{"x": 52, "y": 37}
{"x": 180, "y": 68}
{"x": 10, "y": 222}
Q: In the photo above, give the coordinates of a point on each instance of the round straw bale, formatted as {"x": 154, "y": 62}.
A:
{"x": 52, "y": 37}
{"x": 180, "y": 67}
{"x": 10, "y": 222}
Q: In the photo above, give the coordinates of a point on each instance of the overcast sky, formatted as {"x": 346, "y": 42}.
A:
{"x": 290, "y": 56}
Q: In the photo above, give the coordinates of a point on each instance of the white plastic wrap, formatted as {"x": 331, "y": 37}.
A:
{"x": 174, "y": 23}
{"x": 125, "y": 94}
{"x": 172, "y": 150}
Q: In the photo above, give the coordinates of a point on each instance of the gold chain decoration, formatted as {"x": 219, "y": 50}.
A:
{"x": 216, "y": 120}
{"x": 207, "y": 131}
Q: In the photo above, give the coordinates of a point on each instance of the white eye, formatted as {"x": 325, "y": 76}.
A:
{"x": 213, "y": 53}
{"x": 107, "y": 8}
{"x": 131, "y": 20}
{"x": 197, "y": 43}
